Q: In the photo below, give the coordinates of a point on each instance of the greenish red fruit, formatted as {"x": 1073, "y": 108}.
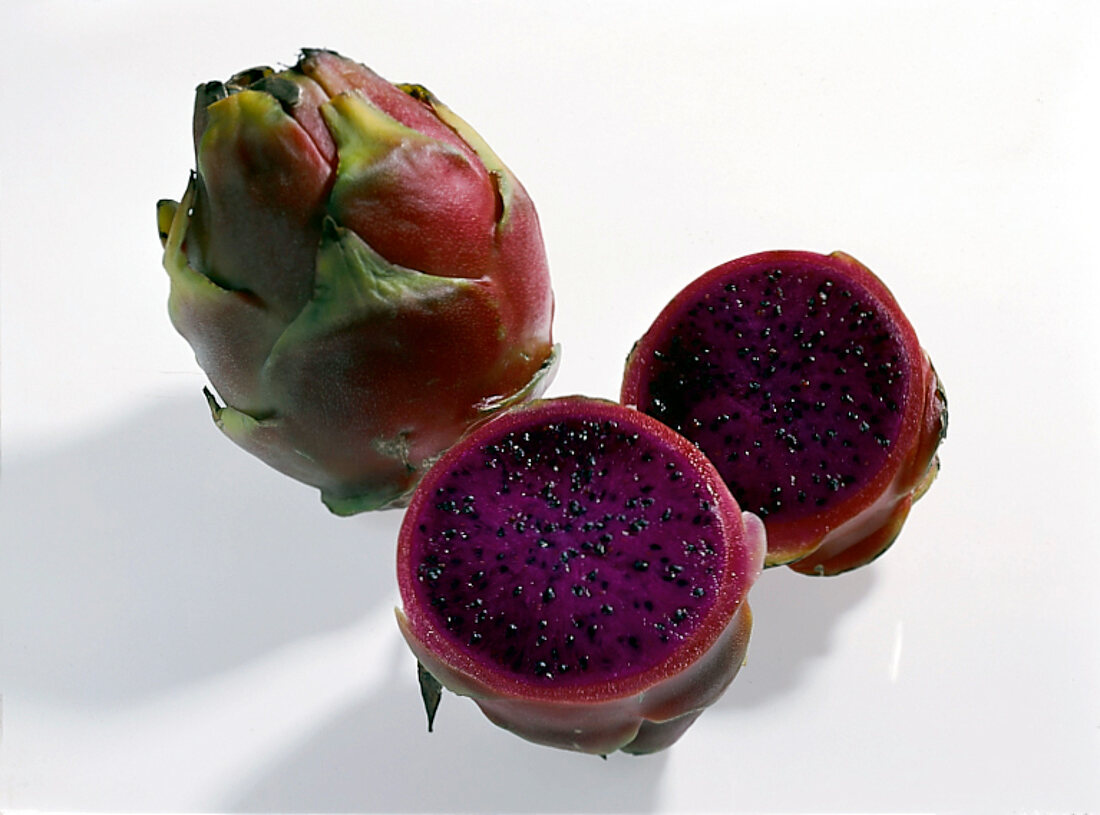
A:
{"x": 580, "y": 571}
{"x": 803, "y": 381}
{"x": 359, "y": 275}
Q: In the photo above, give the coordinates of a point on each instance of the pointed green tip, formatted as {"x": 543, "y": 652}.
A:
{"x": 309, "y": 52}
{"x": 330, "y": 230}
{"x": 210, "y": 92}
{"x": 244, "y": 79}
{"x": 166, "y": 213}
{"x": 431, "y": 691}
{"x": 418, "y": 92}
{"x": 287, "y": 92}
{"x": 212, "y": 402}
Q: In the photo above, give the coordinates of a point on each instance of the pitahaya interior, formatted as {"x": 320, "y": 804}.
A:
{"x": 802, "y": 380}
{"x": 580, "y": 571}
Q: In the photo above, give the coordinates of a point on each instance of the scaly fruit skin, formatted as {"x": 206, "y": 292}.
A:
{"x": 862, "y": 520}
{"x": 359, "y": 275}
{"x": 637, "y": 709}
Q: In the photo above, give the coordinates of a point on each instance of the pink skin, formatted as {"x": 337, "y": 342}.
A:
{"x": 643, "y": 712}
{"x": 291, "y": 202}
{"x": 454, "y": 201}
{"x": 854, "y": 531}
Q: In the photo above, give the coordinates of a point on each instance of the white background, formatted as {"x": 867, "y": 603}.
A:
{"x": 185, "y": 629}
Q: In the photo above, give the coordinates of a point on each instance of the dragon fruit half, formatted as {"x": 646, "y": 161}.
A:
{"x": 360, "y": 276}
{"x": 580, "y": 571}
{"x": 802, "y": 380}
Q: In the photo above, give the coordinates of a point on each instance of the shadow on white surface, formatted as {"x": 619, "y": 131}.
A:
{"x": 156, "y": 554}
{"x": 153, "y": 566}
{"x": 377, "y": 756}
{"x": 793, "y": 619}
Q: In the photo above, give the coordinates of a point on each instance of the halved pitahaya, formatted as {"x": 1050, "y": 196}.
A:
{"x": 802, "y": 380}
{"x": 580, "y": 571}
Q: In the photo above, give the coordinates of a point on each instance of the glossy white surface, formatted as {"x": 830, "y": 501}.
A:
{"x": 184, "y": 629}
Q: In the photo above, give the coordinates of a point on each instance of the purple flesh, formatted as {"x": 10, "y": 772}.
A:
{"x": 793, "y": 383}
{"x": 570, "y": 554}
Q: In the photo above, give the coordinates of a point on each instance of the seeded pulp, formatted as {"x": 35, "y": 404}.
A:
{"x": 790, "y": 380}
{"x": 600, "y": 569}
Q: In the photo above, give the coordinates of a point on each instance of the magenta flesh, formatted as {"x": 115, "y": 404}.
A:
{"x": 577, "y": 548}
{"x": 570, "y": 559}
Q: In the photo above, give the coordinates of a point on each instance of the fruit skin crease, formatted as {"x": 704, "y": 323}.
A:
{"x": 857, "y": 530}
{"x": 360, "y": 276}
{"x": 643, "y": 713}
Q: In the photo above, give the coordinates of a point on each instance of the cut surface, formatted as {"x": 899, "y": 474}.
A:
{"x": 791, "y": 375}
{"x": 575, "y": 550}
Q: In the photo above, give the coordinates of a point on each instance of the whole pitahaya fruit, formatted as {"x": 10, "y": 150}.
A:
{"x": 802, "y": 380}
{"x": 359, "y": 275}
{"x": 581, "y": 572}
